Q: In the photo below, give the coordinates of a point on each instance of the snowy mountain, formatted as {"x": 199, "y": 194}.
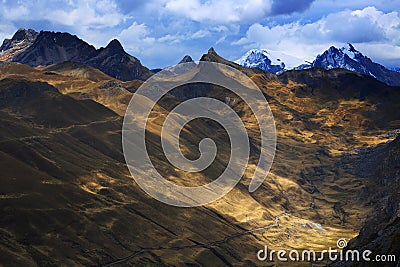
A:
{"x": 268, "y": 60}
{"x": 346, "y": 57}
{"x": 349, "y": 58}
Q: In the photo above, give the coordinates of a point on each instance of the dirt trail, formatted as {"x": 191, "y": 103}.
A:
{"x": 199, "y": 245}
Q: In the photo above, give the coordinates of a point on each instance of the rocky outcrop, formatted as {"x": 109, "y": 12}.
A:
{"x": 21, "y": 40}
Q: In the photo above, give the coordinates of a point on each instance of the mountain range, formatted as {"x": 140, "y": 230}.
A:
{"x": 346, "y": 57}
{"x": 45, "y": 48}
{"x": 67, "y": 197}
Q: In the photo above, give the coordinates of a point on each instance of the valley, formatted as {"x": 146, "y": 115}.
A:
{"x": 68, "y": 199}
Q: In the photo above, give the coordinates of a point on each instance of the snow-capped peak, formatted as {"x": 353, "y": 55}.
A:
{"x": 269, "y": 60}
{"x": 350, "y": 51}
{"x": 346, "y": 57}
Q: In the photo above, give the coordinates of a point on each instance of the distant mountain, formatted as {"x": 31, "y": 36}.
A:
{"x": 261, "y": 59}
{"x": 55, "y": 47}
{"x": 212, "y": 56}
{"x": 186, "y": 59}
{"x": 396, "y": 69}
{"x": 267, "y": 60}
{"x": 46, "y": 48}
{"x": 349, "y": 58}
{"x": 346, "y": 57}
{"x": 66, "y": 196}
{"x": 114, "y": 61}
{"x": 21, "y": 40}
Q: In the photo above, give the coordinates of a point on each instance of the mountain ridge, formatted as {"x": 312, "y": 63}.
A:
{"x": 67, "y": 197}
{"x": 346, "y": 57}
{"x": 46, "y": 48}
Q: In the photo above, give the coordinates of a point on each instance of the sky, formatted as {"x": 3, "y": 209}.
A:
{"x": 161, "y": 32}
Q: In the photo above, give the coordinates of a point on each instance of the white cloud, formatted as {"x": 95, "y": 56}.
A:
{"x": 15, "y": 13}
{"x": 6, "y": 31}
{"x": 220, "y": 10}
{"x": 136, "y": 38}
{"x": 200, "y": 34}
{"x": 360, "y": 27}
{"x": 89, "y": 13}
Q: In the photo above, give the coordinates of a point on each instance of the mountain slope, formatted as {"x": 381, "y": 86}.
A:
{"x": 46, "y": 48}
{"x": 78, "y": 81}
{"x": 381, "y": 232}
{"x": 67, "y": 198}
{"x": 55, "y": 47}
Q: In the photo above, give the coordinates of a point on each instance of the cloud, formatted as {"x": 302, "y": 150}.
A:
{"x": 289, "y": 6}
{"x": 128, "y": 6}
{"x": 362, "y": 26}
{"x": 162, "y": 31}
{"x": 233, "y": 10}
{"x": 136, "y": 38}
{"x": 87, "y": 13}
{"x": 6, "y": 31}
{"x": 219, "y": 11}
{"x": 18, "y": 12}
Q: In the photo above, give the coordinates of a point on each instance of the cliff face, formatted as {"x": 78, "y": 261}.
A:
{"x": 381, "y": 232}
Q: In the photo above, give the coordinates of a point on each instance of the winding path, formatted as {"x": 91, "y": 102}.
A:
{"x": 198, "y": 245}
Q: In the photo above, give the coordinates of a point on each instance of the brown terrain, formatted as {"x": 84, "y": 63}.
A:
{"x": 67, "y": 198}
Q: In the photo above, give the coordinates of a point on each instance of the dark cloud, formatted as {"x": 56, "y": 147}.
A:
{"x": 289, "y": 6}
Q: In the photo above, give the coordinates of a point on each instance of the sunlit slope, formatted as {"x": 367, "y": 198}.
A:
{"x": 79, "y": 81}
{"x": 68, "y": 198}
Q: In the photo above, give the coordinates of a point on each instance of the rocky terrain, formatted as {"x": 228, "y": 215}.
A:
{"x": 67, "y": 198}
{"x": 20, "y": 41}
{"x": 46, "y": 48}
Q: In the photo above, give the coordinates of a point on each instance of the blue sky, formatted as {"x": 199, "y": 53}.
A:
{"x": 161, "y": 32}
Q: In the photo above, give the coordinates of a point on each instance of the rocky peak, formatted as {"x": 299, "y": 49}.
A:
{"x": 54, "y": 47}
{"x": 262, "y": 59}
{"x": 186, "y": 59}
{"x": 114, "y": 61}
{"x": 351, "y": 48}
{"x": 211, "y": 51}
{"x": 350, "y": 58}
{"x": 20, "y": 41}
{"x": 20, "y": 36}
{"x": 115, "y": 46}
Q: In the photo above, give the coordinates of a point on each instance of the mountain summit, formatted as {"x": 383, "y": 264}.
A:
{"x": 186, "y": 59}
{"x": 349, "y": 58}
{"x": 114, "y": 61}
{"x": 261, "y": 59}
{"x": 21, "y": 40}
{"x": 46, "y": 48}
{"x": 346, "y": 57}
{"x": 55, "y": 47}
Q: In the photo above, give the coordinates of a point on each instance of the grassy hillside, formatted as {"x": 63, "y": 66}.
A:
{"x": 67, "y": 198}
